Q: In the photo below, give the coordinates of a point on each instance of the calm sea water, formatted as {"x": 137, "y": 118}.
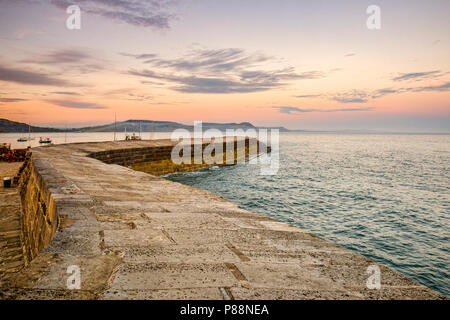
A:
{"x": 384, "y": 196}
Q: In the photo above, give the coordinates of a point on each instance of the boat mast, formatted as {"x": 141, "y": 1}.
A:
{"x": 151, "y": 131}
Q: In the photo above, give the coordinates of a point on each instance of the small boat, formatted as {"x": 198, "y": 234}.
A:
{"x": 45, "y": 140}
{"x": 25, "y": 139}
{"x": 133, "y": 137}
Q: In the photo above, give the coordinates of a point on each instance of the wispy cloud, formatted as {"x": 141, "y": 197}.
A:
{"x": 418, "y": 75}
{"x": 360, "y": 96}
{"x": 382, "y": 92}
{"x": 364, "y": 96}
{"x": 351, "y": 54}
{"x": 60, "y": 57}
{"x": 229, "y": 70}
{"x": 150, "y": 13}
{"x": 139, "y": 97}
{"x": 12, "y": 99}
{"x": 68, "y": 60}
{"x": 192, "y": 84}
{"x": 68, "y": 93}
{"x": 29, "y": 77}
{"x": 440, "y": 87}
{"x": 139, "y": 56}
{"x": 76, "y": 104}
{"x": 213, "y": 60}
{"x": 293, "y": 110}
{"x": 280, "y": 75}
{"x": 131, "y": 94}
{"x": 354, "y": 96}
{"x": 308, "y": 96}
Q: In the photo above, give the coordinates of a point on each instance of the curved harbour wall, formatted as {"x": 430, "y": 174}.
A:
{"x": 29, "y": 217}
{"x": 39, "y": 217}
{"x": 11, "y": 251}
{"x": 158, "y": 160}
{"x": 40, "y": 182}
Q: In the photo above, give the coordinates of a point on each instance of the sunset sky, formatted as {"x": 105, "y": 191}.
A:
{"x": 300, "y": 64}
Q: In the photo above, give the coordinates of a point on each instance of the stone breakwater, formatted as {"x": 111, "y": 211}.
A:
{"x": 157, "y": 160}
{"x": 135, "y": 235}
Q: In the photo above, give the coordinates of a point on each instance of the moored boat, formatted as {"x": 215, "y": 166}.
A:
{"x": 133, "y": 137}
{"x": 45, "y": 140}
{"x": 25, "y": 139}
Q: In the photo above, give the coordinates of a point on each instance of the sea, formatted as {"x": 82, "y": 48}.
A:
{"x": 385, "y": 196}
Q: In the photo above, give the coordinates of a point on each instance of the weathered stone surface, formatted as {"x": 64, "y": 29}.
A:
{"x": 11, "y": 251}
{"x": 138, "y": 236}
{"x": 164, "y": 294}
{"x": 39, "y": 218}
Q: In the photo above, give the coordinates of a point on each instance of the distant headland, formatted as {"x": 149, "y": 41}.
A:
{"x": 8, "y": 126}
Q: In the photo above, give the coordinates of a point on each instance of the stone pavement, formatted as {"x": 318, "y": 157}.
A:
{"x": 138, "y": 236}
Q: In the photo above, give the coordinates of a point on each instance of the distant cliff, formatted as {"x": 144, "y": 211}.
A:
{"x": 12, "y": 126}
{"x": 130, "y": 126}
{"x": 166, "y": 126}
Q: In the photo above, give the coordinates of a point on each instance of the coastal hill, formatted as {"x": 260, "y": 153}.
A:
{"x": 7, "y": 126}
{"x": 131, "y": 126}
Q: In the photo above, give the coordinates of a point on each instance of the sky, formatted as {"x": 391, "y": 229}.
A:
{"x": 311, "y": 65}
